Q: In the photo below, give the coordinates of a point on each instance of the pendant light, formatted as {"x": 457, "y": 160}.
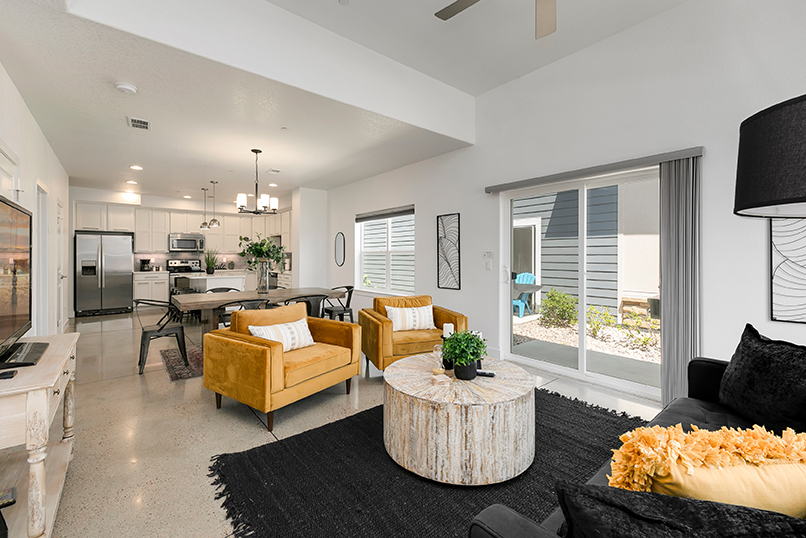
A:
{"x": 214, "y": 221}
{"x": 264, "y": 204}
{"x": 204, "y": 225}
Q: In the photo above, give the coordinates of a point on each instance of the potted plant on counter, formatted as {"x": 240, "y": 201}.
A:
{"x": 464, "y": 349}
{"x": 210, "y": 259}
{"x": 263, "y": 257}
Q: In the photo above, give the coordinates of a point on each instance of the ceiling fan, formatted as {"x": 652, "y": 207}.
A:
{"x": 545, "y": 14}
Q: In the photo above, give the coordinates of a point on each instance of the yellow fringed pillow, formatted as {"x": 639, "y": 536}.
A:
{"x": 749, "y": 467}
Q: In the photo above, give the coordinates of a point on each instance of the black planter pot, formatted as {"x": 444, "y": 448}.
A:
{"x": 210, "y": 270}
{"x": 465, "y": 371}
{"x": 446, "y": 364}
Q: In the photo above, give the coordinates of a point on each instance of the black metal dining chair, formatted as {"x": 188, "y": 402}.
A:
{"x": 339, "y": 310}
{"x": 313, "y": 303}
{"x": 170, "y": 324}
{"x": 225, "y": 310}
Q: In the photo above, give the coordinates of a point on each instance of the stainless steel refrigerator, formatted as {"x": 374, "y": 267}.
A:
{"x": 104, "y": 272}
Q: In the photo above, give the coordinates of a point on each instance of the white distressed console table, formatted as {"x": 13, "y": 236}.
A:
{"x": 461, "y": 432}
{"x": 28, "y": 405}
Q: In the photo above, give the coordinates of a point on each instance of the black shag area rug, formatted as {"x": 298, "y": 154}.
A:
{"x": 338, "y": 480}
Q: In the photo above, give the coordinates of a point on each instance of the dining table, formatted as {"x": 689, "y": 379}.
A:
{"x": 209, "y": 303}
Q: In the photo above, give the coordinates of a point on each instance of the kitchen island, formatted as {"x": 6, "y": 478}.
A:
{"x": 201, "y": 282}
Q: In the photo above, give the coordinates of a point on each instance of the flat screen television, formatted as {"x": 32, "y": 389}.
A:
{"x": 15, "y": 275}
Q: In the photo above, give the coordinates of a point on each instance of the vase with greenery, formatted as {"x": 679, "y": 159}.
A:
{"x": 263, "y": 257}
{"x": 464, "y": 349}
{"x": 210, "y": 259}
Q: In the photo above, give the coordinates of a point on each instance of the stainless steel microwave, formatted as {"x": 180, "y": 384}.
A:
{"x": 186, "y": 242}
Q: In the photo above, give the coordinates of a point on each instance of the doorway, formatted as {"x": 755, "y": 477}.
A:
{"x": 41, "y": 292}
{"x": 593, "y": 250}
{"x": 61, "y": 272}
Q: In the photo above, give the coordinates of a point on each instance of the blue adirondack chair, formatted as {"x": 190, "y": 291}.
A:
{"x": 523, "y": 299}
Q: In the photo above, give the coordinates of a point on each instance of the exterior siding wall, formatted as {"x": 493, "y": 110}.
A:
{"x": 559, "y": 259}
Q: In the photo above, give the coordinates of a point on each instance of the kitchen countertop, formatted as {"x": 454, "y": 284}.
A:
{"x": 217, "y": 274}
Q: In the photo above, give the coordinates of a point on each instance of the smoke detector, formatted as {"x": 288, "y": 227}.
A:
{"x": 125, "y": 87}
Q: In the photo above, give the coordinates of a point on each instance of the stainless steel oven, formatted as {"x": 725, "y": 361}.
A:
{"x": 186, "y": 242}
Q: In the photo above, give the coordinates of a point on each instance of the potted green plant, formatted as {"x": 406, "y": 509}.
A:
{"x": 262, "y": 256}
{"x": 210, "y": 259}
{"x": 464, "y": 349}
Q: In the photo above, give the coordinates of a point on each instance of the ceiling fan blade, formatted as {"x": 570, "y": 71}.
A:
{"x": 545, "y": 18}
{"x": 454, "y": 9}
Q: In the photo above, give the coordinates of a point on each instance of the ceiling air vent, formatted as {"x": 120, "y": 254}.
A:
{"x": 137, "y": 123}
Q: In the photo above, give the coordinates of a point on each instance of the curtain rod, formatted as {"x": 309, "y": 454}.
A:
{"x": 597, "y": 170}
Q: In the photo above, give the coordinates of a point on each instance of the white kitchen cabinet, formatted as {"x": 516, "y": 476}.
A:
{"x": 259, "y": 226}
{"x": 90, "y": 216}
{"x": 120, "y": 218}
{"x": 232, "y": 232}
{"x": 194, "y": 223}
{"x": 142, "y": 230}
{"x": 160, "y": 225}
{"x": 273, "y": 225}
{"x": 179, "y": 222}
{"x": 151, "y": 285}
{"x": 151, "y": 230}
{"x": 246, "y": 227}
{"x": 285, "y": 222}
{"x": 215, "y": 239}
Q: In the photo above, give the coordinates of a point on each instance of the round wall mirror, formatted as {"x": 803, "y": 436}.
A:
{"x": 340, "y": 246}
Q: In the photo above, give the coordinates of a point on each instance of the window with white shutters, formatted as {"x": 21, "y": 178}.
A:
{"x": 387, "y": 254}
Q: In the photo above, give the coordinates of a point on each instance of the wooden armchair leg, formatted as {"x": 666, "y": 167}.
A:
{"x": 217, "y": 401}
{"x": 349, "y": 382}
{"x": 270, "y": 420}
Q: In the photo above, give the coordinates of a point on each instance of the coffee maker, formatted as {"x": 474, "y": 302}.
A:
{"x": 145, "y": 264}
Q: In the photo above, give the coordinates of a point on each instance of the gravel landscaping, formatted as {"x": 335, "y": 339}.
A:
{"x": 612, "y": 340}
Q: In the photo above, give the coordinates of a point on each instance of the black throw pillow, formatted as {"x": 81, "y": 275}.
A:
{"x": 765, "y": 382}
{"x": 607, "y": 512}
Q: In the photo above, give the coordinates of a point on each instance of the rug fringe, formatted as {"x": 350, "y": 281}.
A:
{"x": 620, "y": 414}
{"x": 233, "y": 509}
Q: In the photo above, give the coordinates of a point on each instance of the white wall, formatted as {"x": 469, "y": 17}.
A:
{"x": 38, "y": 166}
{"x": 309, "y": 237}
{"x": 685, "y": 78}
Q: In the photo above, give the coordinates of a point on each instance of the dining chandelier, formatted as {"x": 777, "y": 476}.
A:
{"x": 264, "y": 204}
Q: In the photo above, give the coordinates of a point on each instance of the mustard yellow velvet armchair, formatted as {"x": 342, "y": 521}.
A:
{"x": 382, "y": 346}
{"x": 257, "y": 372}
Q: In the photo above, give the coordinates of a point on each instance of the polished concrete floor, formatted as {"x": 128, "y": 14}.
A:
{"x": 143, "y": 444}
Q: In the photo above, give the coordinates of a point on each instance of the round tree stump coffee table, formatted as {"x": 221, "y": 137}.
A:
{"x": 460, "y": 432}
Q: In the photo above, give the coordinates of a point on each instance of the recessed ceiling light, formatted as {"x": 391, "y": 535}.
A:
{"x": 186, "y": 196}
{"x": 344, "y": 2}
{"x": 129, "y": 191}
{"x": 131, "y": 182}
{"x": 283, "y": 128}
{"x": 136, "y": 167}
{"x": 125, "y": 87}
{"x": 272, "y": 184}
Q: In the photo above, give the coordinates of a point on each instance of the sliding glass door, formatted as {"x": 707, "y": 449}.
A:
{"x": 585, "y": 276}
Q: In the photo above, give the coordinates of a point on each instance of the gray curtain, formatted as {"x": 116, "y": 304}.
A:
{"x": 679, "y": 259}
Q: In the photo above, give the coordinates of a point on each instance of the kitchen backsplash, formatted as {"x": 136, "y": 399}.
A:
{"x": 161, "y": 259}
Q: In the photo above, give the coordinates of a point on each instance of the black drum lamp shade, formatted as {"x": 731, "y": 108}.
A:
{"x": 771, "y": 172}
